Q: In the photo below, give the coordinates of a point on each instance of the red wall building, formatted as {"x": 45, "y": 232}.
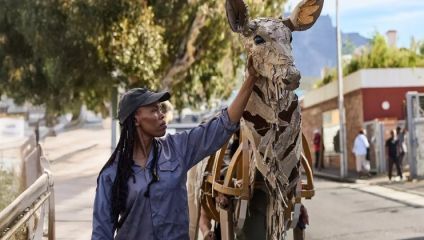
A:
{"x": 370, "y": 94}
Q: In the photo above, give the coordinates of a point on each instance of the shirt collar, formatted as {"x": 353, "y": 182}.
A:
{"x": 137, "y": 168}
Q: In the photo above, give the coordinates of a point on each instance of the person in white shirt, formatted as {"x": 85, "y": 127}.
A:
{"x": 360, "y": 147}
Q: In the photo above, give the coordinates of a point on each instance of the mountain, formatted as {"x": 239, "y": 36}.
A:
{"x": 315, "y": 48}
{"x": 355, "y": 38}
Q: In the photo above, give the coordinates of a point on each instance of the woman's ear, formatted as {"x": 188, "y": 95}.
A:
{"x": 136, "y": 122}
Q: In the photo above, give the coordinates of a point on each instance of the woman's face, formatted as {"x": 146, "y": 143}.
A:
{"x": 151, "y": 120}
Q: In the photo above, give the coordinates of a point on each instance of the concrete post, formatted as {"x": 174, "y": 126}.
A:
{"x": 343, "y": 146}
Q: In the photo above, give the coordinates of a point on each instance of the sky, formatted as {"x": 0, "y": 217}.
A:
{"x": 368, "y": 16}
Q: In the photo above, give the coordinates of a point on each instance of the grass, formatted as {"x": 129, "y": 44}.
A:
{"x": 9, "y": 188}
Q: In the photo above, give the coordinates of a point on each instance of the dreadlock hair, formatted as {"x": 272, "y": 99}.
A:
{"x": 124, "y": 151}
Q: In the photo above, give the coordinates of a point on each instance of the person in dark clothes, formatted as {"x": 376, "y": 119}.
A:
{"x": 392, "y": 155}
{"x": 319, "y": 163}
{"x": 401, "y": 145}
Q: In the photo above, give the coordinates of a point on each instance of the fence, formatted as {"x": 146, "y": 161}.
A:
{"x": 415, "y": 111}
{"x": 25, "y": 217}
{"x": 378, "y": 131}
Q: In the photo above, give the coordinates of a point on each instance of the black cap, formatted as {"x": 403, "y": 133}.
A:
{"x": 138, "y": 97}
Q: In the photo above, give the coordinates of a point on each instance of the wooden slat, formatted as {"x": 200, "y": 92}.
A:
{"x": 26, "y": 216}
{"x": 308, "y": 188}
{"x": 25, "y": 199}
{"x": 306, "y": 150}
{"x": 227, "y": 223}
{"x": 217, "y": 166}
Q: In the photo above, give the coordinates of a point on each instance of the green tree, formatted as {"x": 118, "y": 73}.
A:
{"x": 378, "y": 55}
{"x": 421, "y": 48}
{"x": 63, "y": 53}
{"x": 329, "y": 75}
{"x": 203, "y": 53}
{"x": 43, "y": 60}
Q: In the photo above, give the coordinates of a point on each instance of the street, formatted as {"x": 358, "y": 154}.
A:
{"x": 338, "y": 210}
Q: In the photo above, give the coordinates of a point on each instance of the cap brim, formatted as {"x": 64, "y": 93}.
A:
{"x": 157, "y": 97}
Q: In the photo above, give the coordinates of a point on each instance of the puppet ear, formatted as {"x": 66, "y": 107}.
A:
{"x": 238, "y": 16}
{"x": 304, "y": 15}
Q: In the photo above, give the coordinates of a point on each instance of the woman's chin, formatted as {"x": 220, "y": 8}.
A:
{"x": 161, "y": 133}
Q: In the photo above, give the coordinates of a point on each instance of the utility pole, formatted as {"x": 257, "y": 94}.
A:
{"x": 113, "y": 111}
{"x": 342, "y": 118}
{"x": 411, "y": 97}
{"x": 116, "y": 90}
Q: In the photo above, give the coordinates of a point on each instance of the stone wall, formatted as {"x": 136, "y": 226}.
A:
{"x": 312, "y": 119}
{"x": 354, "y": 122}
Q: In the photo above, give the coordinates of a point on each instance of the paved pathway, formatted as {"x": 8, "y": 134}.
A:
{"x": 76, "y": 158}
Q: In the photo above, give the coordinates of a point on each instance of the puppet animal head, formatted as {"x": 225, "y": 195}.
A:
{"x": 268, "y": 40}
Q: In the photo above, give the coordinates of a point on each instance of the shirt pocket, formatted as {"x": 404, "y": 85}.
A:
{"x": 169, "y": 174}
{"x": 168, "y": 166}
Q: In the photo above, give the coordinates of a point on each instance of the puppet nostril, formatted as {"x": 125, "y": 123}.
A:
{"x": 293, "y": 74}
{"x": 295, "y": 77}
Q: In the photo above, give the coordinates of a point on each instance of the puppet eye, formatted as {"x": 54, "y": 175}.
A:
{"x": 291, "y": 38}
{"x": 258, "y": 39}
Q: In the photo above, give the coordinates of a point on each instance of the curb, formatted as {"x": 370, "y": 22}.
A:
{"x": 403, "y": 190}
{"x": 334, "y": 177}
{"x": 402, "y": 197}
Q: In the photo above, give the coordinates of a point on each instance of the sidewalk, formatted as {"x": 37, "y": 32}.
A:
{"x": 76, "y": 156}
{"x": 413, "y": 187}
{"x": 68, "y": 143}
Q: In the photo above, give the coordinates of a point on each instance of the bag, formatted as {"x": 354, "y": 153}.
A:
{"x": 367, "y": 156}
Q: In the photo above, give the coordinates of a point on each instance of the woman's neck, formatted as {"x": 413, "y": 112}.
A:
{"x": 142, "y": 149}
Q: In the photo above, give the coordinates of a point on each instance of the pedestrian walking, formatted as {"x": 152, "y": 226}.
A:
{"x": 360, "y": 148}
{"x": 319, "y": 163}
{"x": 392, "y": 153}
{"x": 141, "y": 191}
{"x": 402, "y": 149}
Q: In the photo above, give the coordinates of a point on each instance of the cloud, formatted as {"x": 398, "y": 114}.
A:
{"x": 401, "y": 17}
{"x": 356, "y": 6}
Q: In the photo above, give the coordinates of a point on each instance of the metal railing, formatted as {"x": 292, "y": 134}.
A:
{"x": 26, "y": 214}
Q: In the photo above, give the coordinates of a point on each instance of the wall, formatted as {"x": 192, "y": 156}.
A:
{"x": 374, "y": 97}
{"x": 354, "y": 105}
{"x": 312, "y": 119}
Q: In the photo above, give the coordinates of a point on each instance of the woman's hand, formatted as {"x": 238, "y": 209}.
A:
{"x": 251, "y": 71}
{"x": 236, "y": 108}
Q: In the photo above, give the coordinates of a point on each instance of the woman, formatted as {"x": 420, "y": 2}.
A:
{"x": 141, "y": 191}
{"x": 360, "y": 146}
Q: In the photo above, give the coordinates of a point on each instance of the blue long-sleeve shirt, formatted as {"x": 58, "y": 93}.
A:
{"x": 165, "y": 214}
